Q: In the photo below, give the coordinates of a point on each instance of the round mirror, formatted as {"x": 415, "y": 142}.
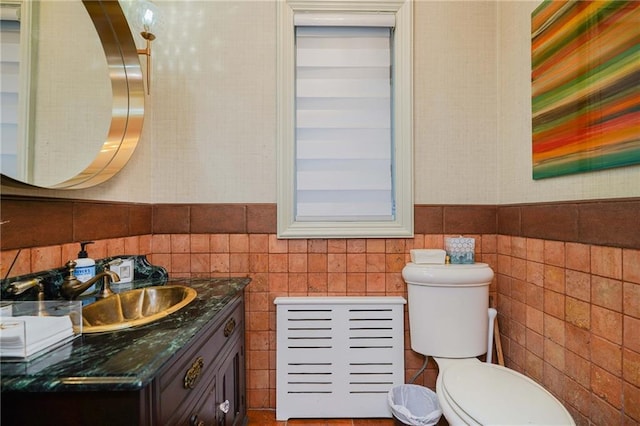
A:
{"x": 81, "y": 116}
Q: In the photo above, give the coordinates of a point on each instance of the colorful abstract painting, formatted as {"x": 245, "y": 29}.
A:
{"x": 585, "y": 77}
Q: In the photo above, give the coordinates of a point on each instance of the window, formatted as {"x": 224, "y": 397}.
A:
{"x": 10, "y": 30}
{"x": 15, "y": 49}
{"x": 345, "y": 120}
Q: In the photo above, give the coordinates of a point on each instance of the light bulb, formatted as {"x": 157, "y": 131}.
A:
{"x": 147, "y": 19}
{"x": 148, "y": 15}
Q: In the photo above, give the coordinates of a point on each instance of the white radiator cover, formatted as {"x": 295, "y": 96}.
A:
{"x": 338, "y": 356}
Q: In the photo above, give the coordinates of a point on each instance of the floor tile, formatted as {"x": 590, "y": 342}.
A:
{"x": 263, "y": 418}
{"x": 268, "y": 418}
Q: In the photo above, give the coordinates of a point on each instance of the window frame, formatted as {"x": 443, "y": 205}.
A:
{"x": 402, "y": 225}
{"x": 24, "y": 146}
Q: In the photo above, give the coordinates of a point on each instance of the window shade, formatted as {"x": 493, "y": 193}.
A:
{"x": 343, "y": 123}
{"x": 345, "y": 19}
{"x": 9, "y": 83}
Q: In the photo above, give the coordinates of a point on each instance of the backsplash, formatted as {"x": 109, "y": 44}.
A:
{"x": 52, "y": 278}
{"x": 569, "y": 306}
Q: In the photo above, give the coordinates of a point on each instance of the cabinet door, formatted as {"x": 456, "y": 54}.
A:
{"x": 204, "y": 412}
{"x": 231, "y": 383}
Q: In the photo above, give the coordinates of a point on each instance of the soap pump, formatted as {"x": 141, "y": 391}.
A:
{"x": 85, "y": 266}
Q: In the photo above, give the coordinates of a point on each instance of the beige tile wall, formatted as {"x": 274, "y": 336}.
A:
{"x": 570, "y": 316}
{"x": 569, "y": 313}
{"x": 319, "y": 267}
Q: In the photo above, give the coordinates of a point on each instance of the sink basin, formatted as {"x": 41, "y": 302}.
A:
{"x": 135, "y": 307}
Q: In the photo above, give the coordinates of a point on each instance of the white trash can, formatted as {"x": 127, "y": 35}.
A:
{"x": 414, "y": 405}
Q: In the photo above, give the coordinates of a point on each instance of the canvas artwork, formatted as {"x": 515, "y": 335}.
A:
{"x": 585, "y": 77}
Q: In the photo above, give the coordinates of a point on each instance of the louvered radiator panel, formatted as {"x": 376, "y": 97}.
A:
{"x": 338, "y": 356}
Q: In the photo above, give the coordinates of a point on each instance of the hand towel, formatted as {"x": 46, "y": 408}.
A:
{"x": 25, "y": 335}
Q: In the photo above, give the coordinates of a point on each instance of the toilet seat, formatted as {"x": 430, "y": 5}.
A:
{"x": 489, "y": 394}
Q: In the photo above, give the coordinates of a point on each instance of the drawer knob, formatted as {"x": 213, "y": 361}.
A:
{"x": 193, "y": 373}
{"x": 229, "y": 327}
{"x": 224, "y": 407}
{"x": 193, "y": 421}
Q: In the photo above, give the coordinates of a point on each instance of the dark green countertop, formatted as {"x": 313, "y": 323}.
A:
{"x": 127, "y": 359}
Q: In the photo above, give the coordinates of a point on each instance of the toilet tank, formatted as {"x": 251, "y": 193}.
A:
{"x": 448, "y": 308}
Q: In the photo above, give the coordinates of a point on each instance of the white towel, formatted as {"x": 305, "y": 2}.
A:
{"x": 436, "y": 256}
{"x": 25, "y": 335}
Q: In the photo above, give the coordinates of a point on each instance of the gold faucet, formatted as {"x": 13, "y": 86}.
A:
{"x": 72, "y": 287}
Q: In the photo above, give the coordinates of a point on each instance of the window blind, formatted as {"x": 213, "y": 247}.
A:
{"x": 9, "y": 85}
{"x": 343, "y": 119}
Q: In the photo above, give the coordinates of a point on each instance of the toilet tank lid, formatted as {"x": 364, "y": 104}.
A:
{"x": 492, "y": 394}
{"x": 448, "y": 274}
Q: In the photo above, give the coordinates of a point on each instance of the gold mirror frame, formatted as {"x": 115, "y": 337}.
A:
{"x": 128, "y": 98}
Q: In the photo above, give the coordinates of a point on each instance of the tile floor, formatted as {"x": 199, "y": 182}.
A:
{"x": 268, "y": 418}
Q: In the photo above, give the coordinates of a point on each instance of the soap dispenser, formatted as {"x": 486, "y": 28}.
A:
{"x": 85, "y": 266}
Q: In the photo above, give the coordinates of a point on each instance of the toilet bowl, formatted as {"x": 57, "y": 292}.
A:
{"x": 448, "y": 320}
{"x": 471, "y": 392}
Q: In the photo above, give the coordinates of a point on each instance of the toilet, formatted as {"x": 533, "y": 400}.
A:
{"x": 449, "y": 320}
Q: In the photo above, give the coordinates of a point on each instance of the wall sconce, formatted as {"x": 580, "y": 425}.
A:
{"x": 147, "y": 16}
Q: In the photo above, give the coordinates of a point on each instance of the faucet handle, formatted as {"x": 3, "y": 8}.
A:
{"x": 114, "y": 262}
{"x": 19, "y": 287}
{"x": 109, "y": 276}
{"x": 70, "y": 281}
{"x": 71, "y": 267}
{"x": 105, "y": 291}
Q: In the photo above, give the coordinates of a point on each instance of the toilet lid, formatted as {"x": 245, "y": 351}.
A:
{"x": 494, "y": 395}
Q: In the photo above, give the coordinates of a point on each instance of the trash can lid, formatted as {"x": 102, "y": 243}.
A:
{"x": 492, "y": 394}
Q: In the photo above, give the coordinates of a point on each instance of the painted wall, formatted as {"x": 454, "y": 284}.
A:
{"x": 217, "y": 119}
{"x": 210, "y": 128}
{"x": 209, "y": 133}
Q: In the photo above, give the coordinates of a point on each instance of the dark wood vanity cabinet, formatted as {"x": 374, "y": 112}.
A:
{"x": 206, "y": 386}
{"x": 223, "y": 403}
{"x": 203, "y": 384}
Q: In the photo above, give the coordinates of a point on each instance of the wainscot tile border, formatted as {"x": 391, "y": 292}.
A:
{"x": 38, "y": 221}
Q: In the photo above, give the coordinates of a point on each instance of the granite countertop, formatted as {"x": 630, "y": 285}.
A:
{"x": 127, "y": 359}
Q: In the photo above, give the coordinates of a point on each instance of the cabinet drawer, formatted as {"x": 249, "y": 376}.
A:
{"x": 184, "y": 382}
